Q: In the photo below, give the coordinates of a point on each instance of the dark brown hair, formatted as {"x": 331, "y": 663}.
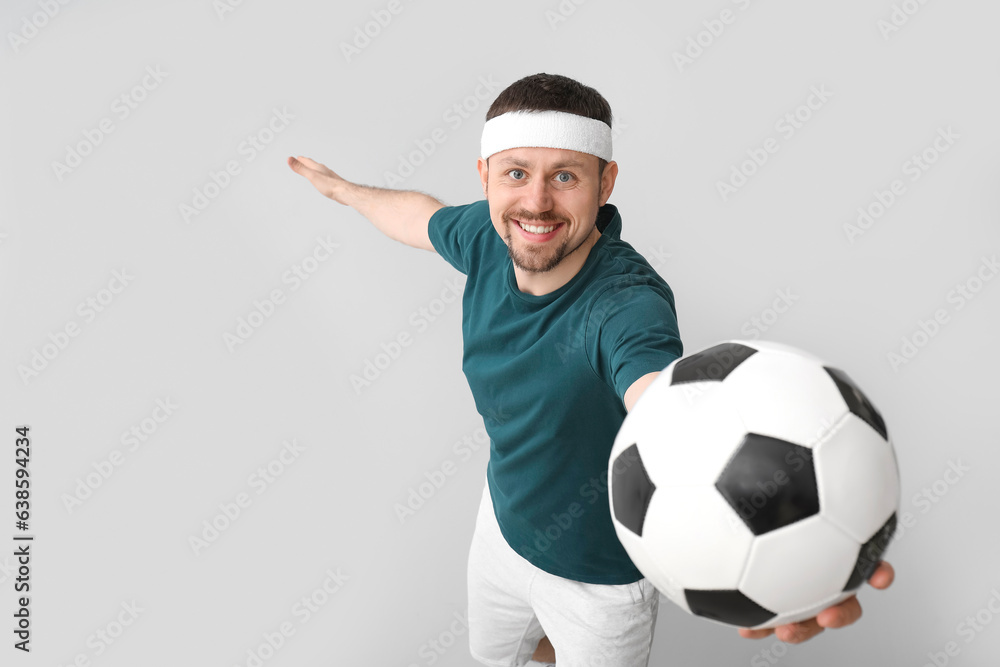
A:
{"x": 552, "y": 92}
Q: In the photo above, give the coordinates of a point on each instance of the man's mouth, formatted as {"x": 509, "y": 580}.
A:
{"x": 537, "y": 229}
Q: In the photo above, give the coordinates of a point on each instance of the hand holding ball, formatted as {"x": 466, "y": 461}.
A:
{"x": 753, "y": 485}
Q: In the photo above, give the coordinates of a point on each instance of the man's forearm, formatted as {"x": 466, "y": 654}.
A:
{"x": 401, "y": 215}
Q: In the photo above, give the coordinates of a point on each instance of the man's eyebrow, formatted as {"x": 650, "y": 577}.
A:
{"x": 525, "y": 164}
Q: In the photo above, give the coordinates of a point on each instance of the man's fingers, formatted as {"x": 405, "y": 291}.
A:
{"x": 326, "y": 182}
{"x": 883, "y": 576}
{"x": 838, "y": 616}
{"x": 312, "y": 164}
{"x": 300, "y": 167}
{"x": 795, "y": 633}
{"x": 311, "y": 169}
{"x": 305, "y": 166}
{"x": 792, "y": 633}
{"x": 755, "y": 634}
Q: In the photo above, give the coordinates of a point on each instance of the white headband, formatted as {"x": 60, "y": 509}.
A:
{"x": 546, "y": 129}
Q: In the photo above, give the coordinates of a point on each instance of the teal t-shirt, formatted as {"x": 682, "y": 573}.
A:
{"x": 548, "y": 374}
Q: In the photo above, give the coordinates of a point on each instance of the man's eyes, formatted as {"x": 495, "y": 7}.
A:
{"x": 562, "y": 176}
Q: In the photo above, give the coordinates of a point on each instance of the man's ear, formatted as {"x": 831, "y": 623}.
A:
{"x": 484, "y": 173}
{"x": 607, "y": 182}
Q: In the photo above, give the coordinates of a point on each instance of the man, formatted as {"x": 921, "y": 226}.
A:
{"x": 564, "y": 326}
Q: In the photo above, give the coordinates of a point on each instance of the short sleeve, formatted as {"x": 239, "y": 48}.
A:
{"x": 457, "y": 232}
{"x": 631, "y": 331}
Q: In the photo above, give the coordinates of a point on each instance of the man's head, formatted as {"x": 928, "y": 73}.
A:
{"x": 546, "y": 165}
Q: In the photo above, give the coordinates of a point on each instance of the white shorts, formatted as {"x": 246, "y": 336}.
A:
{"x": 512, "y": 604}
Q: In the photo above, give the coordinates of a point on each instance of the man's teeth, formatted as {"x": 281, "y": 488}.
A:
{"x": 536, "y": 230}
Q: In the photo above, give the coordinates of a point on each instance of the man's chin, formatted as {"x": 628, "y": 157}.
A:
{"x": 530, "y": 269}
{"x": 533, "y": 267}
{"x": 530, "y": 262}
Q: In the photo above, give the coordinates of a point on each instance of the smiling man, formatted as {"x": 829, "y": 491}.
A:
{"x": 564, "y": 325}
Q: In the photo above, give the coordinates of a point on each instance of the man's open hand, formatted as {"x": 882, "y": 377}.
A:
{"x": 837, "y": 616}
{"x": 328, "y": 183}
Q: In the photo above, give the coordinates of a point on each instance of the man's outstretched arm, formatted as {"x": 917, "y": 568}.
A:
{"x": 401, "y": 215}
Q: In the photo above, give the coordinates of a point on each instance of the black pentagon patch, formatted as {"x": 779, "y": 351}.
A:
{"x": 730, "y": 607}
{"x": 871, "y": 554}
{"x": 770, "y": 483}
{"x": 857, "y": 402}
{"x": 714, "y": 363}
{"x": 631, "y": 489}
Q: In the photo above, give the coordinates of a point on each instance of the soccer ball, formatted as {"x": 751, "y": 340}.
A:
{"x": 753, "y": 484}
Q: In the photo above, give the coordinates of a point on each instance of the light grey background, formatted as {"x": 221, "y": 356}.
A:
{"x": 333, "y": 508}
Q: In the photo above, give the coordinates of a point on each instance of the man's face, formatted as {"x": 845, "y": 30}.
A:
{"x": 544, "y": 202}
